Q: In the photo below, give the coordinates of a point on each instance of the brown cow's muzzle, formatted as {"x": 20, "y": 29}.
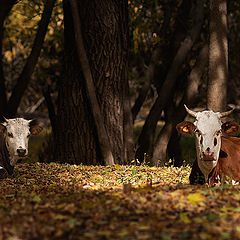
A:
{"x": 208, "y": 156}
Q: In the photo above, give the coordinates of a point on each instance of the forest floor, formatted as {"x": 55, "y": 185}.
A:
{"x": 61, "y": 201}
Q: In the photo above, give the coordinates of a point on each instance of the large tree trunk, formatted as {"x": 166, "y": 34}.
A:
{"x": 105, "y": 40}
{"x": 146, "y": 136}
{"x": 90, "y": 89}
{"x": 218, "y": 56}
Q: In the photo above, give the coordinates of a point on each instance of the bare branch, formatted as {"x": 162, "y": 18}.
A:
{"x": 28, "y": 69}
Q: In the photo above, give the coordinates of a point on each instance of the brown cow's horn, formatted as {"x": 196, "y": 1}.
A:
{"x": 224, "y": 114}
{"x": 190, "y": 112}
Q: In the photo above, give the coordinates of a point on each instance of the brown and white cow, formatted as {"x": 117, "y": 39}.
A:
{"x": 228, "y": 164}
{"x": 14, "y": 135}
{"x": 208, "y": 129}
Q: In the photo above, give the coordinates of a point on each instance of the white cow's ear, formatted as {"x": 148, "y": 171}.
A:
{"x": 2, "y": 128}
{"x": 230, "y": 127}
{"x": 35, "y": 129}
{"x": 186, "y": 128}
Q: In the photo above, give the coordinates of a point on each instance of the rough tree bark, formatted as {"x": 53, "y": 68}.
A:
{"x": 104, "y": 143}
{"x": 162, "y": 142}
{"x": 218, "y": 56}
{"x": 28, "y": 69}
{"x": 106, "y": 43}
{"x": 146, "y": 136}
{"x": 129, "y": 153}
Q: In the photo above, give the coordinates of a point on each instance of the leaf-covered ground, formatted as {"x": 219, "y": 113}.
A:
{"x": 54, "y": 201}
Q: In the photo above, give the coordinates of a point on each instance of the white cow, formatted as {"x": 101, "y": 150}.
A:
{"x": 14, "y": 135}
{"x": 208, "y": 129}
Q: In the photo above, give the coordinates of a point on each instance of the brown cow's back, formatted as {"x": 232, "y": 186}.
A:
{"x": 229, "y": 160}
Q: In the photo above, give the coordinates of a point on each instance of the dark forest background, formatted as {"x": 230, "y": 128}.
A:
{"x": 109, "y": 78}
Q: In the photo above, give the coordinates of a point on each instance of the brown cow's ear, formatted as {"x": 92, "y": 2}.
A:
{"x": 186, "y": 128}
{"x": 230, "y": 127}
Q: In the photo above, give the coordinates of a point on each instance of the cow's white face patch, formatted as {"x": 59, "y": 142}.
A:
{"x": 17, "y": 132}
{"x": 208, "y": 130}
{"x": 208, "y": 136}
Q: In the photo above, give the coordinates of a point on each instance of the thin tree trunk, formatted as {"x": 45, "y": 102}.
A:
{"x": 149, "y": 73}
{"x": 28, "y": 69}
{"x": 195, "y": 75}
{"x": 51, "y": 109}
{"x": 160, "y": 147}
{"x": 3, "y": 96}
{"x": 218, "y": 56}
{"x": 174, "y": 149}
{"x": 177, "y": 114}
{"x": 146, "y": 136}
{"x": 5, "y": 8}
{"x": 175, "y": 39}
{"x": 158, "y": 51}
{"x": 128, "y": 128}
{"x": 98, "y": 119}
{"x": 127, "y": 113}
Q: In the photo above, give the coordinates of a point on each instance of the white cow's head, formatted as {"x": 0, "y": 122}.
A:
{"x": 208, "y": 129}
{"x": 16, "y": 133}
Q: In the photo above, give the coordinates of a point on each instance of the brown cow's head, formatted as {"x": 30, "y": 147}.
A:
{"x": 208, "y": 129}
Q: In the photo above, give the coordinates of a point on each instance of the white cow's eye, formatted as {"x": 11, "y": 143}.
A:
{"x": 10, "y": 135}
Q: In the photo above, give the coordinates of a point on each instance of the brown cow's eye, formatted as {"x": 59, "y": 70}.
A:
{"x": 197, "y": 132}
{"x": 10, "y": 135}
{"x": 215, "y": 141}
{"x": 218, "y": 132}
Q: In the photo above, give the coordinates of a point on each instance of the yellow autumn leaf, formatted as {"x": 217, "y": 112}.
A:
{"x": 142, "y": 199}
{"x": 8, "y": 55}
{"x": 36, "y": 199}
{"x": 117, "y": 167}
{"x": 195, "y": 198}
{"x": 153, "y": 168}
{"x": 184, "y": 218}
{"x": 227, "y": 208}
{"x": 60, "y": 217}
{"x": 204, "y": 236}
